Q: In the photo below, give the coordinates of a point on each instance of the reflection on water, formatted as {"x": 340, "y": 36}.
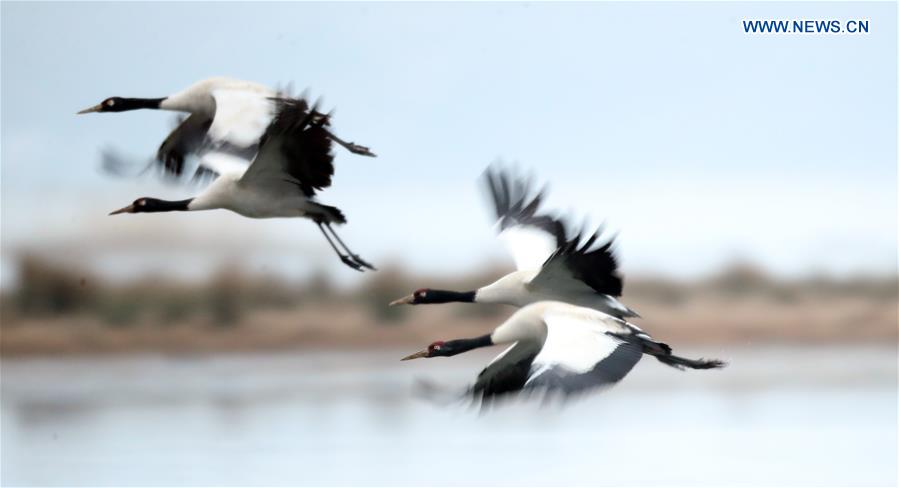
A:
{"x": 775, "y": 416}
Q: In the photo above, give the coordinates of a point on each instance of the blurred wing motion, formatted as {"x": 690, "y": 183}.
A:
{"x": 530, "y": 238}
{"x": 182, "y": 153}
{"x": 184, "y": 140}
{"x": 539, "y": 241}
{"x": 506, "y": 373}
{"x": 240, "y": 120}
{"x": 119, "y": 165}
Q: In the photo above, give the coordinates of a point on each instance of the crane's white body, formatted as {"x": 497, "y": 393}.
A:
{"x": 199, "y": 97}
{"x": 258, "y": 202}
{"x": 519, "y": 288}
{"x": 239, "y": 110}
{"x": 570, "y": 348}
{"x": 532, "y": 322}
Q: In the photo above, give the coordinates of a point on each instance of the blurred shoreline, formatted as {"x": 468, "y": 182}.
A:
{"x": 56, "y": 310}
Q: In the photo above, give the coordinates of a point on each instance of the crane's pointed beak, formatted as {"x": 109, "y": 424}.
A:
{"x": 128, "y": 209}
{"x": 419, "y": 354}
{"x": 95, "y": 108}
{"x": 407, "y": 300}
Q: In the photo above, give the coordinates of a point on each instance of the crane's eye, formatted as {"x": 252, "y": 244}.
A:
{"x": 110, "y": 102}
{"x": 435, "y": 347}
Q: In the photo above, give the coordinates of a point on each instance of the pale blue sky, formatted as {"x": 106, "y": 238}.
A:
{"x": 698, "y": 143}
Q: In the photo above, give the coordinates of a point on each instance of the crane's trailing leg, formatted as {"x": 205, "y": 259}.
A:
{"x": 355, "y": 256}
{"x": 351, "y": 146}
{"x": 343, "y": 257}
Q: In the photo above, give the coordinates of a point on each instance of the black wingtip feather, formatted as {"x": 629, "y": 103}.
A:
{"x": 305, "y": 144}
{"x": 682, "y": 363}
{"x": 597, "y": 266}
{"x": 516, "y": 203}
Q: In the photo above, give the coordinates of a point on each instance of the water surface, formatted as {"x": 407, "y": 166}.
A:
{"x": 783, "y": 416}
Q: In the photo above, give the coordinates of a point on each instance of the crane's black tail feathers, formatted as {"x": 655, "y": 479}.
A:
{"x": 681, "y": 363}
{"x": 662, "y": 352}
{"x": 327, "y": 213}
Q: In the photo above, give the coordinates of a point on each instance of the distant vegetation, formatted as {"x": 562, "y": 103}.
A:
{"x": 741, "y": 302}
{"x": 45, "y": 289}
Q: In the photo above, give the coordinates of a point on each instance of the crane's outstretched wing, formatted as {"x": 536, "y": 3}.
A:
{"x": 204, "y": 161}
{"x": 529, "y": 236}
{"x": 295, "y": 150}
{"x": 187, "y": 137}
{"x": 241, "y": 116}
{"x": 578, "y": 258}
{"x": 583, "y": 350}
{"x": 184, "y": 151}
{"x": 507, "y": 373}
{"x": 539, "y": 240}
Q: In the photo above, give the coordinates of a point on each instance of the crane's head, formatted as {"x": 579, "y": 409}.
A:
{"x": 147, "y": 204}
{"x": 423, "y": 296}
{"x": 417, "y": 297}
{"x": 120, "y": 104}
{"x": 451, "y": 348}
{"x": 439, "y": 348}
{"x": 139, "y": 205}
{"x": 111, "y": 104}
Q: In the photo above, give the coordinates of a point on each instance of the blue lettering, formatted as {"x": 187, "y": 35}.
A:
{"x": 804, "y": 26}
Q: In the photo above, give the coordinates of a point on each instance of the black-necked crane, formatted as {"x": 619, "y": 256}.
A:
{"x": 226, "y": 111}
{"x": 293, "y": 161}
{"x": 567, "y": 268}
{"x": 559, "y": 349}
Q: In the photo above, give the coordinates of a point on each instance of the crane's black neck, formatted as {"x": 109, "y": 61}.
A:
{"x": 125, "y": 104}
{"x": 447, "y": 296}
{"x": 458, "y": 346}
{"x": 156, "y": 205}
